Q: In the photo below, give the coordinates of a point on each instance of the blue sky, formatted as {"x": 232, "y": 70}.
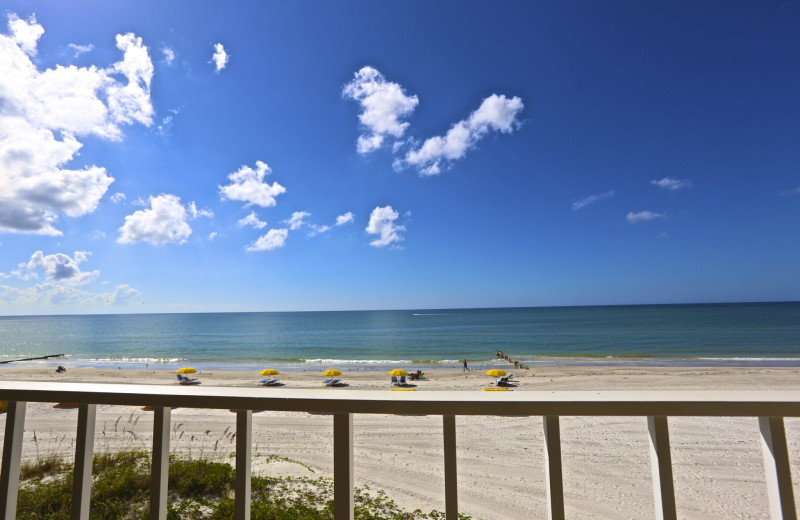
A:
{"x": 185, "y": 156}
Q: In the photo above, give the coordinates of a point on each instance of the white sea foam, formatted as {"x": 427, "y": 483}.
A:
{"x": 136, "y": 360}
{"x": 749, "y": 358}
{"x": 357, "y": 361}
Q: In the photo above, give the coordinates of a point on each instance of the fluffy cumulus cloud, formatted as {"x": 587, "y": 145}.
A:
{"x": 383, "y": 106}
{"x": 58, "y": 294}
{"x": 45, "y": 114}
{"x": 164, "y": 222}
{"x": 341, "y": 220}
{"x": 58, "y": 267}
{"x": 643, "y": 216}
{"x": 496, "y": 113}
{"x": 247, "y": 185}
{"x": 121, "y": 295}
{"x": 298, "y": 219}
{"x": 671, "y": 183}
{"x": 274, "y": 239}
{"x": 591, "y": 199}
{"x": 62, "y": 276}
{"x": 220, "y": 57}
{"x": 383, "y": 222}
{"x": 252, "y": 220}
{"x": 25, "y": 33}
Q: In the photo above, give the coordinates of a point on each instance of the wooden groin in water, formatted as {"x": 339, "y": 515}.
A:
{"x": 32, "y": 358}
{"x": 516, "y": 363}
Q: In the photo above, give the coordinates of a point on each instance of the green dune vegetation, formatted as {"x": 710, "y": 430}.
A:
{"x": 198, "y": 489}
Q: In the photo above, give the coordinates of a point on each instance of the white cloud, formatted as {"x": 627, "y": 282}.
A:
{"x": 579, "y": 204}
{"x": 130, "y": 102}
{"x": 344, "y": 219}
{"x": 58, "y": 267}
{"x": 62, "y": 277}
{"x": 316, "y": 230}
{"x": 163, "y": 223}
{"x": 643, "y": 216}
{"x": 43, "y": 116}
{"x": 25, "y": 33}
{"x": 121, "y": 295}
{"x": 118, "y": 197}
{"x": 252, "y": 220}
{"x": 56, "y": 294}
{"x": 497, "y": 113}
{"x": 169, "y": 55}
{"x": 248, "y": 185}
{"x": 197, "y": 213}
{"x": 671, "y": 183}
{"x": 220, "y": 57}
{"x": 274, "y": 239}
{"x": 166, "y": 122}
{"x": 80, "y": 49}
{"x": 297, "y": 219}
{"x": 382, "y": 222}
{"x": 383, "y": 105}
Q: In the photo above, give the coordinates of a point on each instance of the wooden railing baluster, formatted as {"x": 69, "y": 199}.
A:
{"x": 777, "y": 469}
{"x": 159, "y": 472}
{"x": 12, "y": 458}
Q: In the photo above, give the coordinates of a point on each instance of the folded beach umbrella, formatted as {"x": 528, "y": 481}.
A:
{"x": 269, "y": 372}
{"x": 398, "y": 372}
{"x": 186, "y": 370}
{"x": 496, "y": 372}
{"x": 332, "y": 372}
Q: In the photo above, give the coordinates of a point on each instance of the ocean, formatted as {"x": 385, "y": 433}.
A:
{"x": 744, "y": 334}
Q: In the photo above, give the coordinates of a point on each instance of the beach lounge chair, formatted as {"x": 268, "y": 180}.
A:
{"x": 402, "y": 380}
{"x": 395, "y": 382}
{"x": 186, "y": 380}
{"x": 505, "y": 381}
{"x": 331, "y": 382}
{"x": 268, "y": 382}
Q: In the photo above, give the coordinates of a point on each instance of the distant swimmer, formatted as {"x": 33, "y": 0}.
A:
{"x": 466, "y": 368}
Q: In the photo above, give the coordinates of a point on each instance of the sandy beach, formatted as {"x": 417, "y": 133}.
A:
{"x": 717, "y": 463}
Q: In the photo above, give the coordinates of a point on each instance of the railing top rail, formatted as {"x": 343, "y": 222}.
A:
{"x": 586, "y": 403}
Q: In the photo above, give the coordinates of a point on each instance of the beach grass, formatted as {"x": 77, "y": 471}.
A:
{"x": 198, "y": 489}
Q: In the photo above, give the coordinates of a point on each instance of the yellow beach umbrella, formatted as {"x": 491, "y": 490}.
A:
{"x": 332, "y": 372}
{"x": 186, "y": 370}
{"x": 398, "y": 372}
{"x": 269, "y": 372}
{"x": 496, "y": 372}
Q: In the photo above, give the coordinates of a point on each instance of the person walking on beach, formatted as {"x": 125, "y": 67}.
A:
{"x": 466, "y": 368}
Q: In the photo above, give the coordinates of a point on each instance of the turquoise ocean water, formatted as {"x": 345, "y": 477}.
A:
{"x": 713, "y": 334}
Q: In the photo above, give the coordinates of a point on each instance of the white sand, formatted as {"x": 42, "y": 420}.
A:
{"x": 717, "y": 463}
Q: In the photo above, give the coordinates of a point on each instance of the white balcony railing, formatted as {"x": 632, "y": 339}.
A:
{"x": 770, "y": 407}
